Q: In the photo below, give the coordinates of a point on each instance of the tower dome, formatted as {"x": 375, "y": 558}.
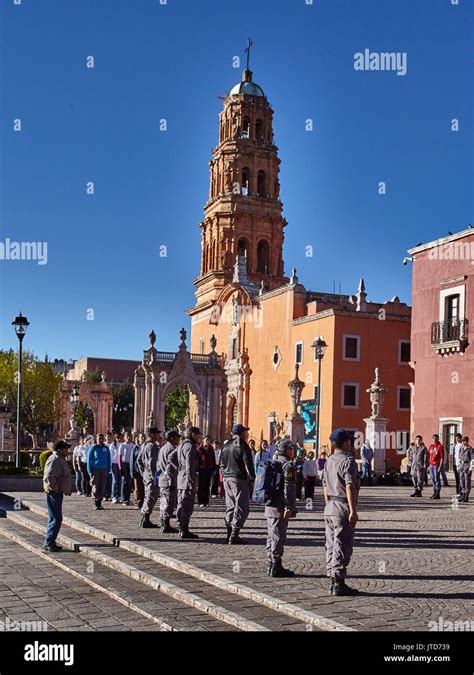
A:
{"x": 247, "y": 86}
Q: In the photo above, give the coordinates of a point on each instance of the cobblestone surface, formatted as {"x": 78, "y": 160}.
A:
{"x": 412, "y": 559}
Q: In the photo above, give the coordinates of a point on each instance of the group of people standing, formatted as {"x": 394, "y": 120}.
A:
{"x": 432, "y": 461}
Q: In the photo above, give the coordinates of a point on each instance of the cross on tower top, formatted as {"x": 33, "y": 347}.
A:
{"x": 247, "y": 50}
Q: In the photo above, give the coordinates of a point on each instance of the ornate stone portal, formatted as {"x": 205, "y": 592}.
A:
{"x": 99, "y": 399}
{"x": 161, "y": 372}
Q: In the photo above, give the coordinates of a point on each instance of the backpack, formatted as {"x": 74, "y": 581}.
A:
{"x": 269, "y": 482}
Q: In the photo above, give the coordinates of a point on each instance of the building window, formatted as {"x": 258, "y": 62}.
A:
{"x": 299, "y": 353}
{"x": 242, "y": 250}
{"x": 201, "y": 345}
{"x": 263, "y": 257}
{"x": 350, "y": 395}
{"x": 259, "y": 130}
{"x": 246, "y": 128}
{"x": 404, "y": 398}
{"x": 351, "y": 347}
{"x": 452, "y": 304}
{"x": 404, "y": 351}
{"x": 452, "y": 307}
{"x": 246, "y": 181}
{"x": 403, "y": 441}
{"x": 262, "y": 184}
{"x": 233, "y": 350}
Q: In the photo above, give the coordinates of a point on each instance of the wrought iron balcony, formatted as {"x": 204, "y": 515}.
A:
{"x": 449, "y": 336}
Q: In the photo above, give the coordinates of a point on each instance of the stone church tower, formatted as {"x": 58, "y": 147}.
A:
{"x": 243, "y": 215}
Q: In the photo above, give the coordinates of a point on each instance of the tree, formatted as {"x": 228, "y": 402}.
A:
{"x": 40, "y": 391}
{"x": 84, "y": 417}
{"x": 122, "y": 417}
{"x": 92, "y": 376}
{"x": 177, "y": 405}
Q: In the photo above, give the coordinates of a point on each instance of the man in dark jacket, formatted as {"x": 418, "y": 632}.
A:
{"x": 237, "y": 466}
{"x": 147, "y": 460}
{"x": 187, "y": 480}
{"x": 56, "y": 484}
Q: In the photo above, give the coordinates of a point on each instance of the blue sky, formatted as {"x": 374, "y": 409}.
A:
{"x": 173, "y": 61}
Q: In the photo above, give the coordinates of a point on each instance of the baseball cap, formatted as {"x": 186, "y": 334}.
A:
{"x": 171, "y": 434}
{"x": 239, "y": 429}
{"x": 153, "y": 430}
{"x": 338, "y": 436}
{"x": 61, "y": 445}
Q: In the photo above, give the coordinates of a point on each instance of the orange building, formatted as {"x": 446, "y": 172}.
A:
{"x": 265, "y": 322}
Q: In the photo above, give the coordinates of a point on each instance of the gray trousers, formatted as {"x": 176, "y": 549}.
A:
{"x": 152, "y": 492}
{"x": 185, "y": 507}
{"x": 99, "y": 483}
{"x": 276, "y": 537}
{"x": 418, "y": 475}
{"x": 237, "y": 501}
{"x": 168, "y": 499}
{"x": 339, "y": 545}
{"x": 464, "y": 482}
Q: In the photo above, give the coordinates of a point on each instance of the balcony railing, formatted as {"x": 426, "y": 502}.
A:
{"x": 449, "y": 335}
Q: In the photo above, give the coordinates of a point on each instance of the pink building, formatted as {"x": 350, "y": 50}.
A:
{"x": 443, "y": 359}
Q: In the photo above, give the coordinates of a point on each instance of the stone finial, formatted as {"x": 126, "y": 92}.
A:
{"x": 377, "y": 395}
{"x": 103, "y": 376}
{"x": 183, "y": 336}
{"x": 293, "y": 278}
{"x": 152, "y": 338}
{"x": 213, "y": 342}
{"x": 262, "y": 288}
{"x": 361, "y": 297}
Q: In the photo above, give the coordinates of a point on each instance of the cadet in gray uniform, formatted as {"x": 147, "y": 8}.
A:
{"x": 419, "y": 463}
{"x": 147, "y": 459}
{"x": 464, "y": 469}
{"x": 168, "y": 467}
{"x": 237, "y": 468}
{"x": 279, "y": 510}
{"x": 187, "y": 480}
{"x": 341, "y": 487}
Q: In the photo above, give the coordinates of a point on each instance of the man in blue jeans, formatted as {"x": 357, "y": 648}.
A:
{"x": 57, "y": 482}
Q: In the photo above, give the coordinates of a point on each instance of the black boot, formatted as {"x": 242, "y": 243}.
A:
{"x": 332, "y": 581}
{"x": 433, "y": 496}
{"x": 184, "y": 533}
{"x": 436, "y": 494}
{"x": 419, "y": 494}
{"x": 279, "y": 571}
{"x": 415, "y": 494}
{"x": 269, "y": 568}
{"x": 166, "y": 527}
{"x": 235, "y": 539}
{"x": 340, "y": 588}
{"x": 146, "y": 522}
{"x": 229, "y": 533}
{"x": 96, "y": 504}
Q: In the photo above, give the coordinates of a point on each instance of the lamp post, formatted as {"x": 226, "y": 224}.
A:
{"x": 20, "y": 324}
{"x": 319, "y": 347}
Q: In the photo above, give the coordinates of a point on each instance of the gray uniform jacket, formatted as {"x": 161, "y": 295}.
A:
{"x": 340, "y": 470}
{"x": 149, "y": 458}
{"x": 286, "y": 499}
{"x": 420, "y": 458}
{"x": 465, "y": 457}
{"x": 187, "y": 465}
{"x": 57, "y": 475}
{"x": 168, "y": 465}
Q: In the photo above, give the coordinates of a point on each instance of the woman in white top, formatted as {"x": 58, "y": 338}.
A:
{"x": 309, "y": 475}
{"x": 124, "y": 461}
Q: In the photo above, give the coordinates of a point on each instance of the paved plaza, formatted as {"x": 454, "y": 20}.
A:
{"x": 412, "y": 563}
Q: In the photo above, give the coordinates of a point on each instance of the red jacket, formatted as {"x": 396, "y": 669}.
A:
{"x": 436, "y": 451}
{"x": 207, "y": 458}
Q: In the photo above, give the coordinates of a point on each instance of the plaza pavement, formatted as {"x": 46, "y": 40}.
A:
{"x": 412, "y": 563}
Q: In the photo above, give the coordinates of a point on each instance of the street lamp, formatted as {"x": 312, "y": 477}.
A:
{"x": 20, "y": 324}
{"x": 319, "y": 347}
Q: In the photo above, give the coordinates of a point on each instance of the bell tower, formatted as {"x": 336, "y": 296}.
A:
{"x": 243, "y": 215}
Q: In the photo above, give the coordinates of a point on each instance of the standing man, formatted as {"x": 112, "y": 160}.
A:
{"x": 455, "y": 452}
{"x": 109, "y": 438}
{"x": 125, "y": 463}
{"x": 138, "y": 489}
{"x": 207, "y": 465}
{"x": 168, "y": 480}
{"x": 279, "y": 510}
{"x": 187, "y": 480}
{"x": 86, "y": 479}
{"x": 76, "y": 454}
{"x": 366, "y": 457}
{"x": 237, "y": 470}
{"x": 341, "y": 488}
{"x": 464, "y": 469}
{"x": 98, "y": 467}
{"x": 436, "y": 453}
{"x": 420, "y": 460}
{"x": 56, "y": 484}
{"x": 114, "y": 448}
{"x": 148, "y": 460}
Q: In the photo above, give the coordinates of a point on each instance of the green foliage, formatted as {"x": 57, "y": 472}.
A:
{"x": 40, "y": 390}
{"x": 43, "y": 457}
{"x": 177, "y": 405}
{"x": 122, "y": 416}
{"x": 92, "y": 376}
{"x": 85, "y": 417}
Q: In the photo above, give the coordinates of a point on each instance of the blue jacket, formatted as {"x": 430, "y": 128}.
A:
{"x": 98, "y": 458}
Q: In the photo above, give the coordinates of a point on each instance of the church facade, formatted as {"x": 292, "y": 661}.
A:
{"x": 264, "y": 321}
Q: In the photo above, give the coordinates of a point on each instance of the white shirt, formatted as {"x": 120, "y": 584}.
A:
{"x": 457, "y": 448}
{"x": 125, "y": 452}
{"x": 264, "y": 455}
{"x": 114, "y": 452}
{"x": 309, "y": 468}
{"x": 217, "y": 455}
{"x": 76, "y": 454}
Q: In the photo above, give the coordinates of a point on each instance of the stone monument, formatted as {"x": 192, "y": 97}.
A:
{"x": 376, "y": 425}
{"x": 294, "y": 423}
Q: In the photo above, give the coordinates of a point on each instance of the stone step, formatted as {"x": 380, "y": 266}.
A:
{"x": 152, "y": 605}
{"x": 277, "y": 612}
